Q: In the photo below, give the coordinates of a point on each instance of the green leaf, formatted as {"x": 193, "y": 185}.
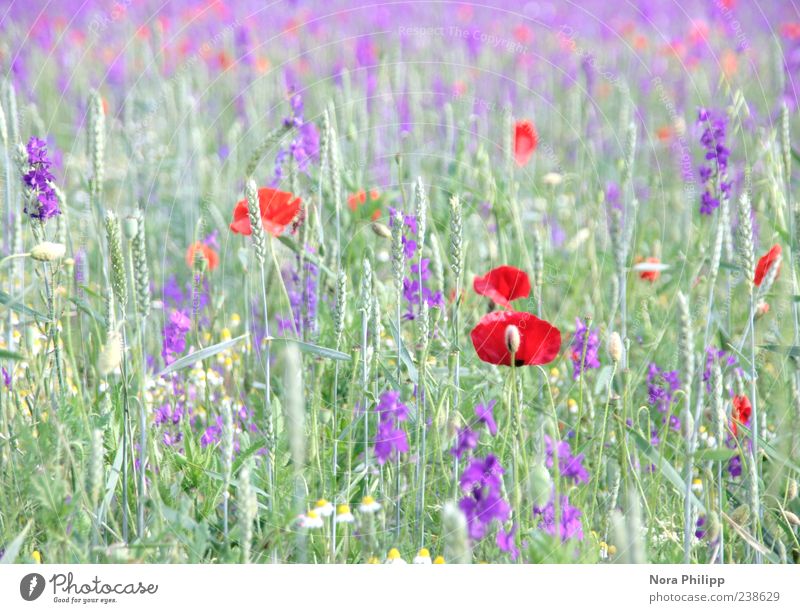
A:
{"x": 15, "y": 305}
{"x": 84, "y": 306}
{"x": 665, "y": 467}
{"x": 10, "y": 556}
{"x": 202, "y": 354}
{"x": 405, "y": 356}
{"x": 787, "y": 350}
{"x": 5, "y": 354}
{"x": 323, "y": 352}
{"x": 720, "y": 454}
{"x": 603, "y": 379}
{"x": 111, "y": 481}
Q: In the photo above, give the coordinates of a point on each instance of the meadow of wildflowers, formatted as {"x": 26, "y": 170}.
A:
{"x": 419, "y": 282}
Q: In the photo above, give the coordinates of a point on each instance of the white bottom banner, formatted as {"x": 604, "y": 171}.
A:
{"x": 385, "y": 588}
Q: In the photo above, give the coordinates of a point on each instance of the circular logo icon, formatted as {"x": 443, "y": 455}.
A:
{"x": 31, "y": 586}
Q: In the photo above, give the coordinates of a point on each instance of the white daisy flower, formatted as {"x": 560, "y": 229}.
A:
{"x": 343, "y": 514}
{"x": 423, "y": 557}
{"x": 323, "y": 507}
{"x": 369, "y": 505}
{"x": 394, "y": 557}
{"x": 311, "y": 520}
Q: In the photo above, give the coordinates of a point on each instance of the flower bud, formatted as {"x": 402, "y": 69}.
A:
{"x": 541, "y": 485}
{"x": 381, "y": 229}
{"x": 791, "y": 518}
{"x": 712, "y": 532}
{"x": 512, "y": 339}
{"x": 48, "y": 252}
{"x": 791, "y": 489}
{"x": 615, "y": 347}
{"x": 130, "y": 226}
{"x": 741, "y": 515}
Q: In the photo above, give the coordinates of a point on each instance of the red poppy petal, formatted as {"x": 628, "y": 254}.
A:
{"x": 765, "y": 264}
{"x": 241, "y": 220}
{"x": 540, "y": 342}
{"x": 525, "y": 141}
{"x": 503, "y": 284}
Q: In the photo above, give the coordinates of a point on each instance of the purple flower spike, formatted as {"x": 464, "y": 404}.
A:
{"x": 485, "y": 415}
{"x": 42, "y": 203}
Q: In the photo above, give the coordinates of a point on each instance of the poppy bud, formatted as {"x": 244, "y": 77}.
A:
{"x": 791, "y": 518}
{"x": 130, "y": 226}
{"x": 791, "y": 489}
{"x": 381, "y": 229}
{"x": 48, "y": 252}
{"x": 615, "y": 347}
{"x": 540, "y": 486}
{"x": 712, "y": 533}
{"x": 512, "y": 339}
{"x": 741, "y": 515}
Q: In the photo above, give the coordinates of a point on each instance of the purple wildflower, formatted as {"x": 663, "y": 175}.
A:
{"x": 714, "y": 170}
{"x": 418, "y": 269}
{"x": 466, "y": 440}
{"x": 569, "y": 466}
{"x": 735, "y": 466}
{"x": 723, "y": 357}
{"x": 662, "y": 385}
{"x": 483, "y": 501}
{"x": 482, "y": 473}
{"x": 302, "y": 289}
{"x": 390, "y": 439}
{"x": 570, "y": 525}
{"x": 700, "y": 529}
{"x": 585, "y": 346}
{"x": 485, "y": 415}
{"x": 391, "y": 407}
{"x": 38, "y": 180}
{"x": 304, "y": 147}
{"x": 175, "y": 336}
{"x": 505, "y": 541}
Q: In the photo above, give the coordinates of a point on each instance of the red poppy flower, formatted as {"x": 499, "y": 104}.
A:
{"x": 525, "y": 141}
{"x": 360, "y": 197}
{"x": 503, "y": 284}
{"x": 650, "y": 275}
{"x": 742, "y": 410}
{"x": 278, "y": 209}
{"x": 540, "y": 342}
{"x": 207, "y": 252}
{"x": 766, "y": 262}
